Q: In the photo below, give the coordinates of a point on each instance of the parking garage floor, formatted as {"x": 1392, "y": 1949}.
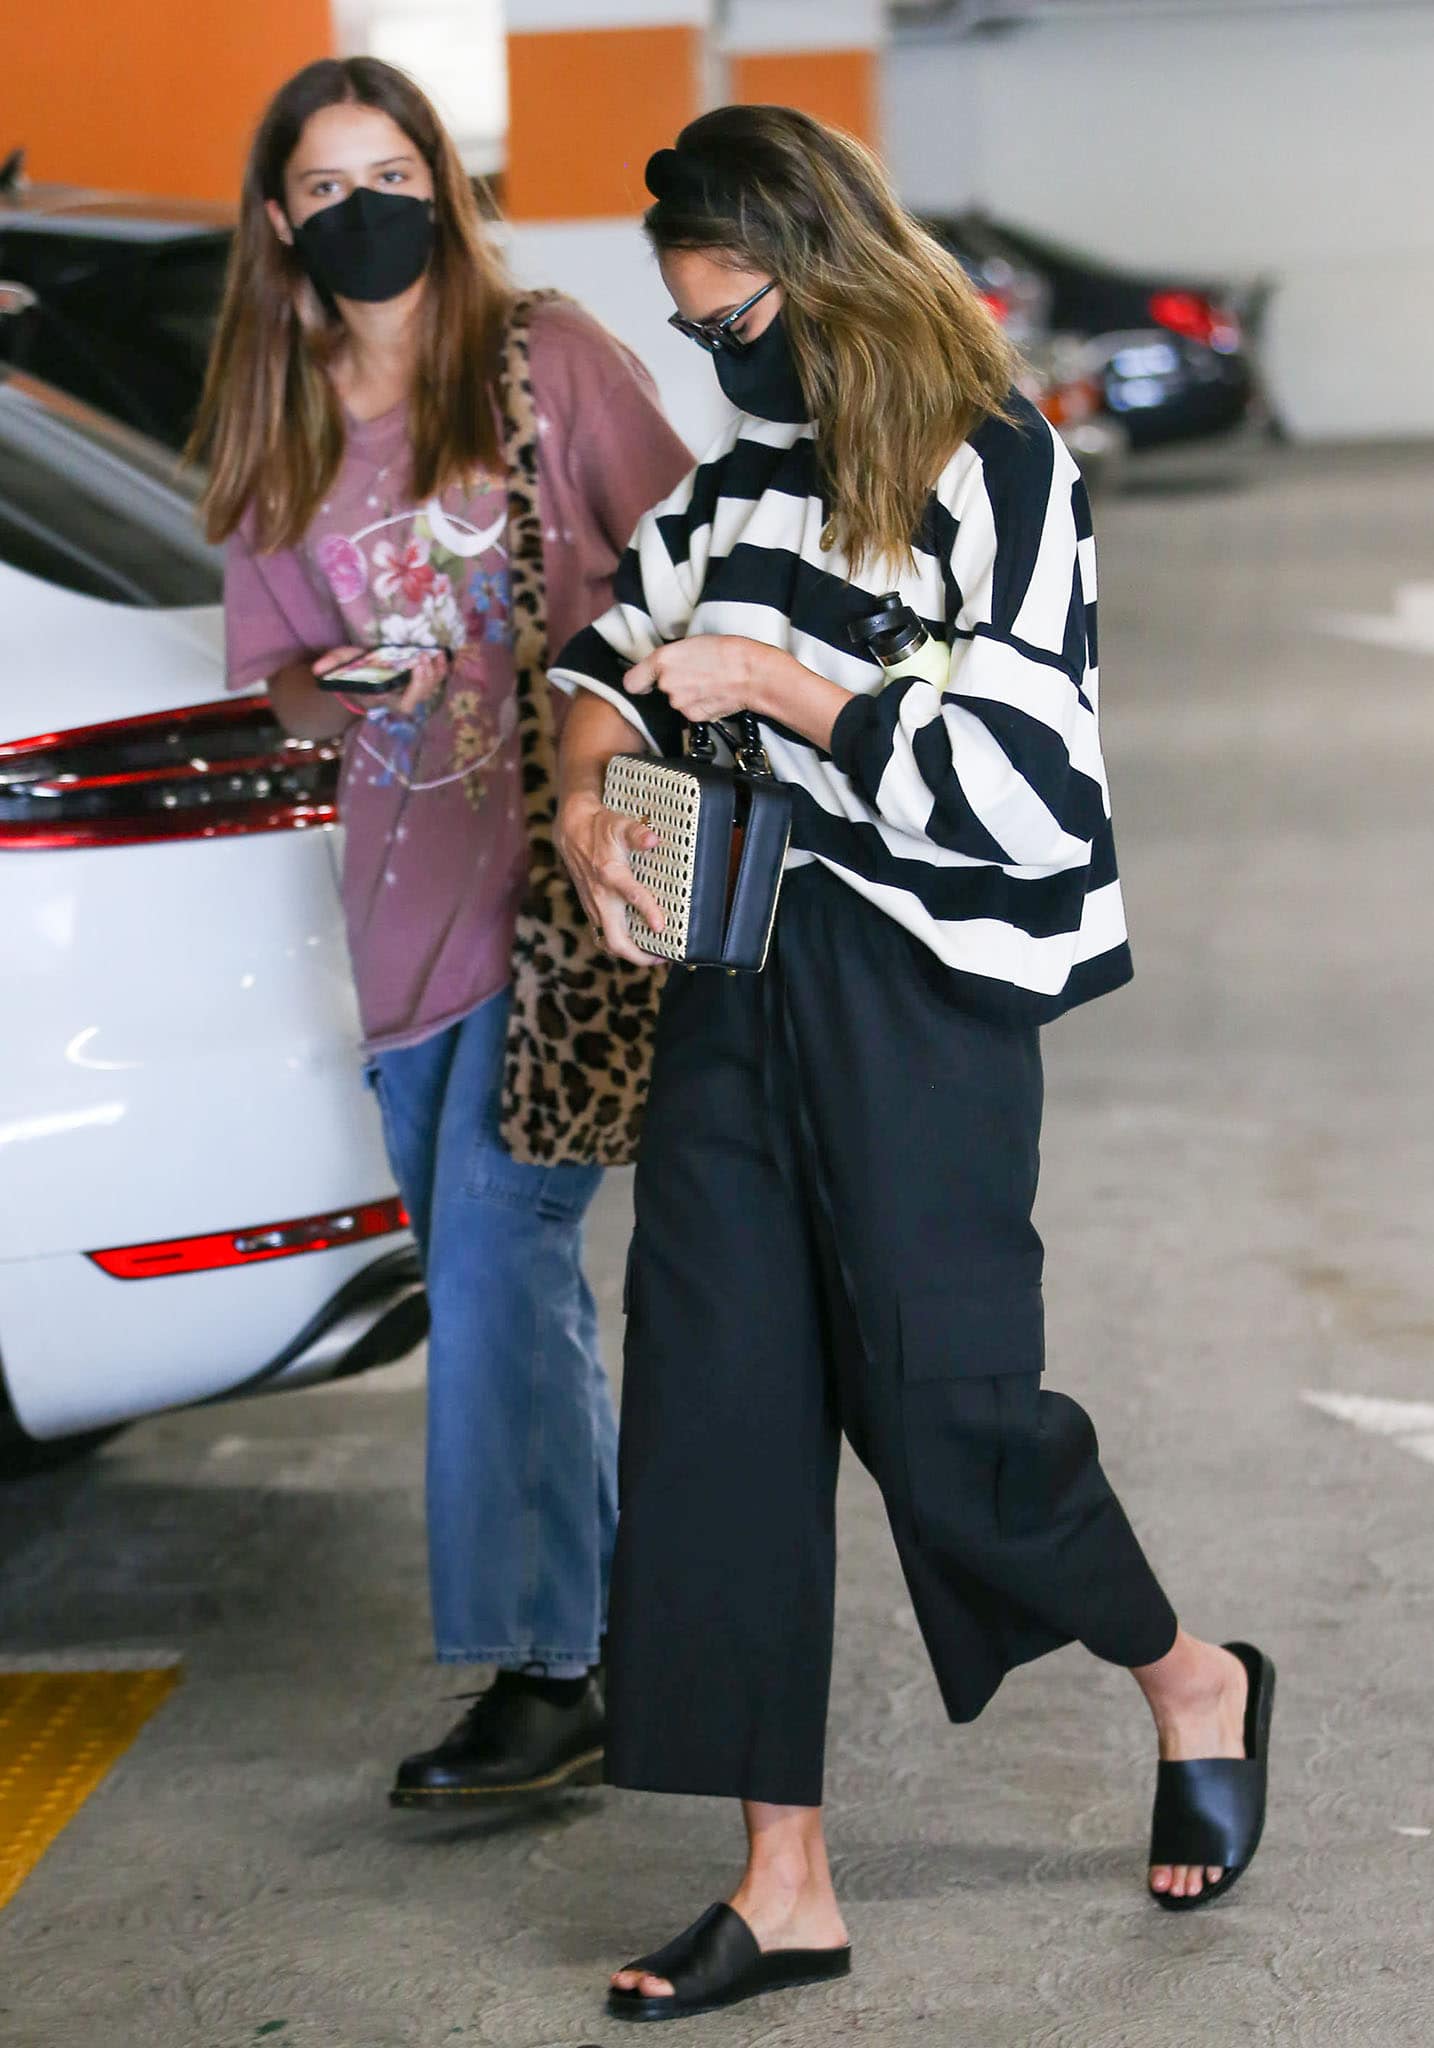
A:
{"x": 1238, "y": 1205}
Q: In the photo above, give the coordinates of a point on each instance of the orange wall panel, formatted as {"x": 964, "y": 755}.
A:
{"x": 587, "y": 109}
{"x": 838, "y": 86}
{"x": 161, "y": 96}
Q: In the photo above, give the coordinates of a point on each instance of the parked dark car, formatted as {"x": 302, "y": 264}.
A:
{"x": 1172, "y": 355}
{"x": 1056, "y": 376}
{"x": 126, "y": 295}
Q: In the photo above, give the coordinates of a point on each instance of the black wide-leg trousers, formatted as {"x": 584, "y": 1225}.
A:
{"x": 834, "y": 1237}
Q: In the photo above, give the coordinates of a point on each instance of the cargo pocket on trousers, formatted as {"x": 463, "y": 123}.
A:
{"x": 949, "y": 1336}
{"x": 970, "y": 1374}
{"x": 553, "y": 1194}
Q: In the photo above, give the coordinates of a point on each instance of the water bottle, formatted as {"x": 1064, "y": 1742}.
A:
{"x": 893, "y": 635}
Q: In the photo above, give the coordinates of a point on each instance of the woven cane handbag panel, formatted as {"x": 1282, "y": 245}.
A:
{"x": 669, "y": 799}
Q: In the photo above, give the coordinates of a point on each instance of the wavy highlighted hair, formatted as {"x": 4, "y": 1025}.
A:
{"x": 899, "y": 356}
{"x": 270, "y": 425}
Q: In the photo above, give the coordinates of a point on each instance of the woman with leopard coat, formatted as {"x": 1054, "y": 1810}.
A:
{"x": 384, "y": 419}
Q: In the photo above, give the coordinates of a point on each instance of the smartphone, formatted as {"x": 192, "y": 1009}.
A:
{"x": 375, "y": 673}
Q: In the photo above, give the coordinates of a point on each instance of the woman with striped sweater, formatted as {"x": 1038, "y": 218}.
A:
{"x": 834, "y": 1199}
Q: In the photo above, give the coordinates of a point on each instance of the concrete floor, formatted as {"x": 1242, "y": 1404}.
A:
{"x": 1238, "y": 1210}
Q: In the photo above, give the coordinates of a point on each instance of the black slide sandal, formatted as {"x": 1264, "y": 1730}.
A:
{"x": 717, "y": 1962}
{"x": 1212, "y": 1811}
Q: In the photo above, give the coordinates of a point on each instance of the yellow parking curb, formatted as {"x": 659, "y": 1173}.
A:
{"x": 60, "y": 1732}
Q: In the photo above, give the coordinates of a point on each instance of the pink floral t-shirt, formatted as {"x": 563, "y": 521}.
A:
{"x": 435, "y": 846}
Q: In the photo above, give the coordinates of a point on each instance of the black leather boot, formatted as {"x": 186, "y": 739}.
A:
{"x": 522, "y": 1735}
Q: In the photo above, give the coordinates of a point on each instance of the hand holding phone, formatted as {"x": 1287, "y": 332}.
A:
{"x": 371, "y": 672}
{"x": 409, "y": 675}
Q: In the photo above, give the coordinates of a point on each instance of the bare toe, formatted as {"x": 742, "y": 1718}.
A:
{"x": 1161, "y": 1877}
{"x": 1213, "y": 1874}
{"x": 655, "y": 1987}
{"x": 626, "y": 1980}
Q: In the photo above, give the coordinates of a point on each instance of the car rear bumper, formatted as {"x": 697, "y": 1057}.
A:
{"x": 379, "y": 1315}
{"x": 1194, "y": 414}
{"x": 180, "y": 1045}
{"x": 181, "y": 1058}
{"x": 1162, "y": 388}
{"x": 81, "y": 1351}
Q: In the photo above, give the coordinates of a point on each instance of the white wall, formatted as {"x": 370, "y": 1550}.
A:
{"x": 458, "y": 52}
{"x": 606, "y": 264}
{"x": 791, "y": 25}
{"x": 1288, "y": 145}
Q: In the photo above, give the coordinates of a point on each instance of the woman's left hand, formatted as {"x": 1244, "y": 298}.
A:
{"x": 711, "y": 675}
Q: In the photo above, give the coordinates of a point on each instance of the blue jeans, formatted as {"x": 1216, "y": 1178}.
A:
{"x": 522, "y": 1440}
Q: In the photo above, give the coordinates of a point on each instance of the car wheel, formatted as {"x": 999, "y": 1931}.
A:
{"x": 22, "y": 1456}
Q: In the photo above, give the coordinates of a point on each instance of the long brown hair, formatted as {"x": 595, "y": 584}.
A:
{"x": 270, "y": 425}
{"x": 899, "y": 356}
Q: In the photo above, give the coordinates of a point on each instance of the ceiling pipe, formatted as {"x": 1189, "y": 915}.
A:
{"x": 952, "y": 20}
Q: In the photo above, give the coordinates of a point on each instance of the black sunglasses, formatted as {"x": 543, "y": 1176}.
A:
{"x": 717, "y": 336}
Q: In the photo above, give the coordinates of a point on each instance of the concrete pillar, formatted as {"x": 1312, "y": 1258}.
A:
{"x": 594, "y": 87}
{"x": 819, "y": 55}
{"x": 155, "y": 96}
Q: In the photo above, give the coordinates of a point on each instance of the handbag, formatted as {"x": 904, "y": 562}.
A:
{"x": 723, "y": 835}
{"x": 581, "y": 1025}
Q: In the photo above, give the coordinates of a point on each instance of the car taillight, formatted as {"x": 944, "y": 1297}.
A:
{"x": 1197, "y": 318}
{"x": 997, "y": 303}
{"x": 248, "y": 1247}
{"x": 199, "y": 773}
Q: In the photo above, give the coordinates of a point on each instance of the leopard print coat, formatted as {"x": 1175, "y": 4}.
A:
{"x": 581, "y": 1027}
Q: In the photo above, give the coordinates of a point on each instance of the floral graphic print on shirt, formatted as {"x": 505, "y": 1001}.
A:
{"x": 435, "y": 842}
{"x": 435, "y": 577}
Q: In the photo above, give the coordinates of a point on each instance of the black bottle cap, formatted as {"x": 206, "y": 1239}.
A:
{"x": 890, "y": 631}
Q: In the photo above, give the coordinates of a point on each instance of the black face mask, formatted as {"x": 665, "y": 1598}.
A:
{"x": 371, "y": 246}
{"x": 763, "y": 380}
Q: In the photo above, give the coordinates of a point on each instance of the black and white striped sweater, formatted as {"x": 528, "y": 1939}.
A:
{"x": 977, "y": 816}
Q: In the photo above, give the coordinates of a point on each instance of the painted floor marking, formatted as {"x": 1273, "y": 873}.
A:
{"x": 60, "y": 1733}
{"x": 1409, "y": 1424}
{"x": 1409, "y": 627}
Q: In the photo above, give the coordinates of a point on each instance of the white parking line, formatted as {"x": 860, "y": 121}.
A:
{"x": 1409, "y": 628}
{"x": 1409, "y": 1424}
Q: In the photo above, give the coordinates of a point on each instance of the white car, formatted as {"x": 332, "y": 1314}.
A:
{"x": 194, "y": 1197}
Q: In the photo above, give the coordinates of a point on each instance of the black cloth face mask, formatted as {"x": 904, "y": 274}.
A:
{"x": 763, "y": 379}
{"x": 371, "y": 246}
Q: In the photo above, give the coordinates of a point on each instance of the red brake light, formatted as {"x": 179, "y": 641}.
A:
{"x": 199, "y": 773}
{"x": 250, "y": 1246}
{"x": 1197, "y": 318}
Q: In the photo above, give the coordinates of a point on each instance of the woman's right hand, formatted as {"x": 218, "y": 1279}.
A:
{"x": 424, "y": 679}
{"x": 597, "y": 845}
{"x": 335, "y": 658}
{"x": 320, "y": 666}
{"x": 304, "y": 710}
